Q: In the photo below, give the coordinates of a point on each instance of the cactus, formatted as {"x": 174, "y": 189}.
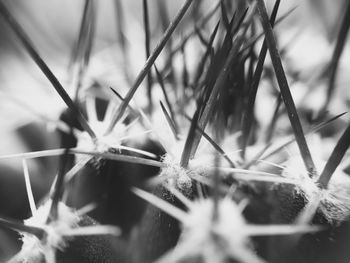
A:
{"x": 220, "y": 148}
